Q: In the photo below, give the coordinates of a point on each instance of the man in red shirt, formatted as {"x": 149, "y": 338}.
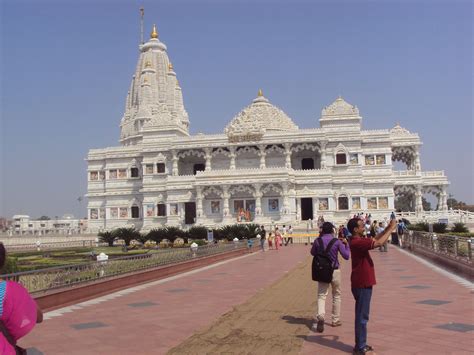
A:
{"x": 363, "y": 277}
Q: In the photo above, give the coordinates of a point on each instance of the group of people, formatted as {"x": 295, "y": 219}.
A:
{"x": 18, "y": 313}
{"x": 276, "y": 238}
{"x": 352, "y": 242}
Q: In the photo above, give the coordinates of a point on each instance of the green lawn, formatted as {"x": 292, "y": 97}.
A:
{"x": 34, "y": 260}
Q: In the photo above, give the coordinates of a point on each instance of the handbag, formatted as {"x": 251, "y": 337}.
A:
{"x": 19, "y": 350}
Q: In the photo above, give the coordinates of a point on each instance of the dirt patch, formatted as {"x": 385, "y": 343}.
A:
{"x": 274, "y": 321}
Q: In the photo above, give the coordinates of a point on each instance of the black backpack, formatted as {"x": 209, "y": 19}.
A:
{"x": 322, "y": 268}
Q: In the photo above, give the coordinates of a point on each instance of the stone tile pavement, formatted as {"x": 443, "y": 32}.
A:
{"x": 415, "y": 310}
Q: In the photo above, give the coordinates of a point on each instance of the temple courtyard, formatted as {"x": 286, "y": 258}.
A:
{"x": 263, "y": 303}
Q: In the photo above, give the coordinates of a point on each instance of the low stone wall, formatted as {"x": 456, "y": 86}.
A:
{"x": 54, "y": 238}
{"x": 459, "y": 267}
{"x": 64, "y": 297}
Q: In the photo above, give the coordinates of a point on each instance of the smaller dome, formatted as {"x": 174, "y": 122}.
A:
{"x": 339, "y": 108}
{"x": 256, "y": 119}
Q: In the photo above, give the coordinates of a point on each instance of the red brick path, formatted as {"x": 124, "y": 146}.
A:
{"x": 174, "y": 310}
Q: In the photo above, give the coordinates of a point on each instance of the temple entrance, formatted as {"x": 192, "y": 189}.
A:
{"x": 189, "y": 212}
{"x": 306, "y": 208}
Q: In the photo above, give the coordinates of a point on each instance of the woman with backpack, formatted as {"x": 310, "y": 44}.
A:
{"x": 325, "y": 251}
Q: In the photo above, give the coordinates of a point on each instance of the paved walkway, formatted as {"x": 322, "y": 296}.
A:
{"x": 414, "y": 310}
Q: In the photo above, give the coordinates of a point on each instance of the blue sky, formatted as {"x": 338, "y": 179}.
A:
{"x": 66, "y": 67}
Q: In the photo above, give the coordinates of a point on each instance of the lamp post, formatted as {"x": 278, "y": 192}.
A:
{"x": 194, "y": 249}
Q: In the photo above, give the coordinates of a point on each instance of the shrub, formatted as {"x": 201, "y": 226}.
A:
{"x": 459, "y": 228}
{"x": 107, "y": 237}
{"x": 199, "y": 241}
{"x": 127, "y": 234}
{"x": 439, "y": 227}
{"x": 252, "y": 230}
{"x": 157, "y": 234}
{"x": 174, "y": 232}
{"x": 422, "y": 227}
{"x": 197, "y": 232}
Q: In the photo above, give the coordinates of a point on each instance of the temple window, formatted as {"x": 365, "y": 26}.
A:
{"x": 354, "y": 159}
{"x": 372, "y": 203}
{"x": 161, "y": 210}
{"x": 198, "y": 167}
{"x": 343, "y": 203}
{"x": 122, "y": 173}
{"x": 160, "y": 168}
{"x": 94, "y": 175}
{"x": 94, "y": 213}
{"x": 369, "y": 160}
{"x": 307, "y": 163}
{"x": 113, "y": 174}
{"x": 102, "y": 175}
{"x": 341, "y": 158}
{"x": 149, "y": 168}
{"x": 383, "y": 202}
{"x": 134, "y": 172}
{"x": 114, "y": 213}
{"x": 135, "y": 212}
{"x": 380, "y": 159}
{"x": 123, "y": 212}
{"x": 356, "y": 203}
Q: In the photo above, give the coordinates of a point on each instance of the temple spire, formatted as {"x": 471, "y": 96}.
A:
{"x": 260, "y": 93}
{"x": 154, "y": 32}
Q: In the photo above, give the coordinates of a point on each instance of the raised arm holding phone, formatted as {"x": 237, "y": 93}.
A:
{"x": 363, "y": 277}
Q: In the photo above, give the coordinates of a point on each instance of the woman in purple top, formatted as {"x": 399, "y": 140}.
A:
{"x": 340, "y": 246}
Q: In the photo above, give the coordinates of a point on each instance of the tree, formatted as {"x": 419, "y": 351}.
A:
{"x": 107, "y": 237}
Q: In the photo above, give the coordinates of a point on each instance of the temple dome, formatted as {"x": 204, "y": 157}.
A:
{"x": 257, "y": 118}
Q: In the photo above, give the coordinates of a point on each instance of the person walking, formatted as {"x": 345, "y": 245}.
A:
{"x": 401, "y": 228}
{"x": 289, "y": 239}
{"x": 277, "y": 238}
{"x": 341, "y": 247}
{"x": 363, "y": 277}
{"x": 384, "y": 247}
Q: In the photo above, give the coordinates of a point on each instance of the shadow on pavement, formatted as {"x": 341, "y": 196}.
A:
{"x": 329, "y": 341}
{"x": 298, "y": 320}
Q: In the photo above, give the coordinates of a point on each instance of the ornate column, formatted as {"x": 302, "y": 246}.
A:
{"x": 445, "y": 198}
{"x": 323, "y": 154}
{"x": 287, "y": 155}
{"x": 262, "y": 156}
{"x": 208, "y": 157}
{"x": 286, "y": 206}
{"x": 258, "y": 199}
{"x": 226, "y": 196}
{"x": 417, "y": 163}
{"x": 297, "y": 204}
{"x": 418, "y": 200}
{"x": 174, "y": 159}
{"x": 315, "y": 208}
{"x": 232, "y": 157}
{"x": 199, "y": 210}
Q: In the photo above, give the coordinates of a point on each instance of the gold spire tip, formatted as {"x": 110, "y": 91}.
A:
{"x": 170, "y": 66}
{"x": 154, "y": 32}
{"x": 260, "y": 93}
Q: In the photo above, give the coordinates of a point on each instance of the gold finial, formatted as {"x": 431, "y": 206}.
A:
{"x": 147, "y": 64}
{"x": 154, "y": 32}
{"x": 260, "y": 93}
{"x": 170, "y": 66}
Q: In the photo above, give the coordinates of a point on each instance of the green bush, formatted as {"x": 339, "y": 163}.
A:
{"x": 127, "y": 234}
{"x": 157, "y": 234}
{"x": 198, "y": 241}
{"x": 440, "y": 227}
{"x": 460, "y": 228}
{"x": 174, "y": 232}
{"x": 197, "y": 232}
{"x": 107, "y": 237}
{"x": 421, "y": 227}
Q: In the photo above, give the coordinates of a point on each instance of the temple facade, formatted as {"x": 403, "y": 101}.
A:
{"x": 262, "y": 168}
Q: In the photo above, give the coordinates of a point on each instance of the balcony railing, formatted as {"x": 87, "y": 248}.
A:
{"x": 453, "y": 247}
